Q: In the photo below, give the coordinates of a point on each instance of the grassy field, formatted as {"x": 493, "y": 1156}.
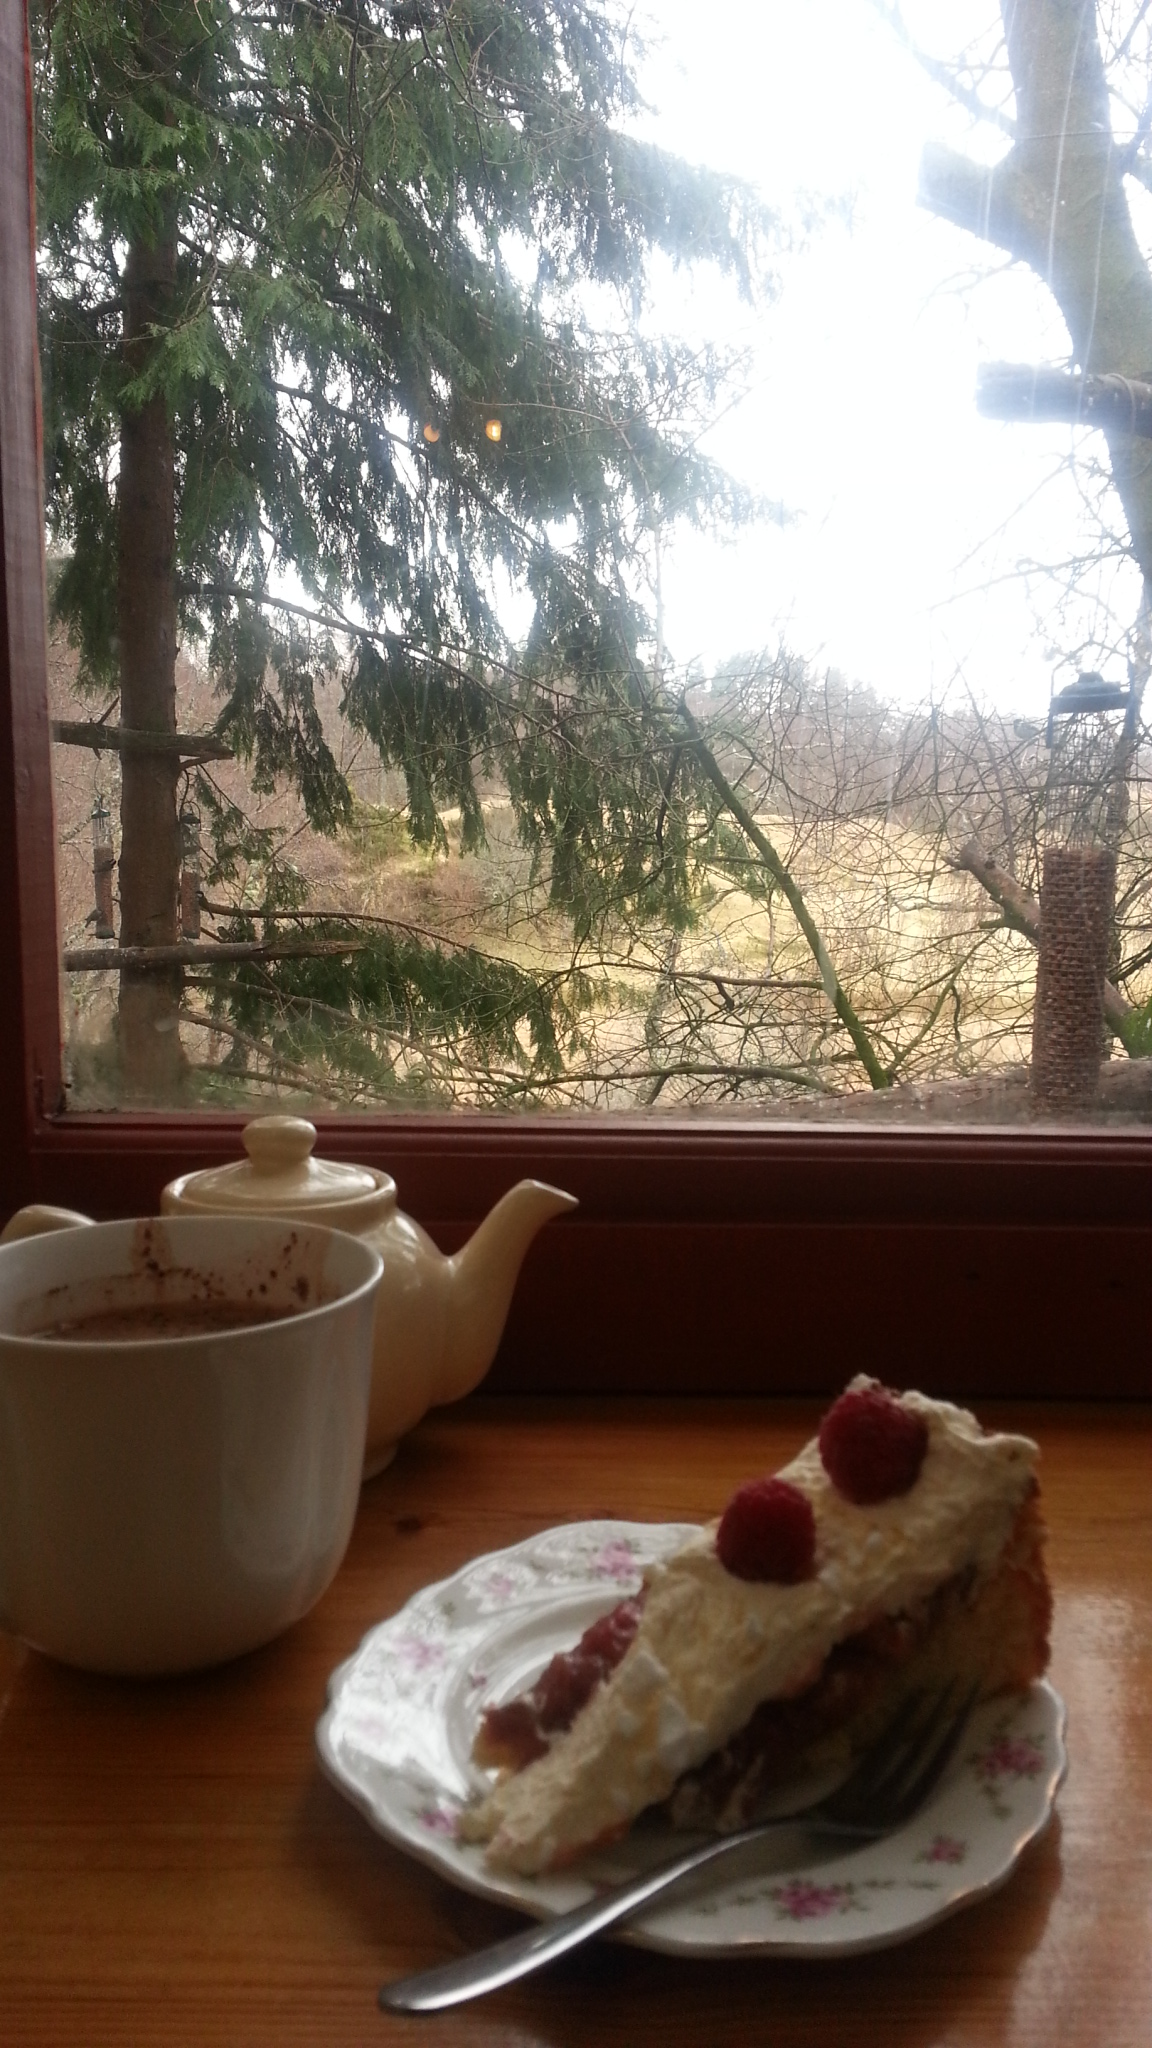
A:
{"x": 730, "y": 1011}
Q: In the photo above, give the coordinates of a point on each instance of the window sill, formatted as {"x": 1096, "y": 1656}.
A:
{"x": 743, "y": 1258}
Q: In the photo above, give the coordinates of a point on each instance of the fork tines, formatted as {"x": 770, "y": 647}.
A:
{"x": 896, "y": 1775}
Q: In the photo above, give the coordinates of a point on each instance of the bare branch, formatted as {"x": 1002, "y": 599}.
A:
{"x": 122, "y": 739}
{"x": 776, "y": 868}
{"x": 950, "y": 76}
{"x": 1022, "y": 913}
{"x": 1020, "y": 391}
{"x": 984, "y": 199}
{"x": 90, "y": 959}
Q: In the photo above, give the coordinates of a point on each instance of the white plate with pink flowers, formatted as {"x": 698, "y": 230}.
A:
{"x": 403, "y": 1711}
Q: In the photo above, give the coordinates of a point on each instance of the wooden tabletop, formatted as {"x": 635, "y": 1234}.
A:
{"x": 174, "y": 1868}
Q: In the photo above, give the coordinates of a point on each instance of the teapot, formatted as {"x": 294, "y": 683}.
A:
{"x": 438, "y": 1320}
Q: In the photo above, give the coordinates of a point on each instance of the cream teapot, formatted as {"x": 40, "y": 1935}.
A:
{"x": 438, "y": 1319}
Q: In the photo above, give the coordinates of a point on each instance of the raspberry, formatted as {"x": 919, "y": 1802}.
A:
{"x": 872, "y": 1447}
{"x": 768, "y": 1531}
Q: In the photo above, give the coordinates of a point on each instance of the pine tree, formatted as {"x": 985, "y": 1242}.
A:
{"x": 301, "y": 262}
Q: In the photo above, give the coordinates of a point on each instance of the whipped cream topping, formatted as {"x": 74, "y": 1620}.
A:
{"x": 711, "y": 1647}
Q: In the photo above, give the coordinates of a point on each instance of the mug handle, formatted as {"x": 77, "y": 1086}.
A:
{"x": 37, "y": 1218}
{"x": 33, "y": 1221}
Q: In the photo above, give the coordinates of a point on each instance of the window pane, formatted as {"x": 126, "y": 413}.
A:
{"x": 596, "y": 565}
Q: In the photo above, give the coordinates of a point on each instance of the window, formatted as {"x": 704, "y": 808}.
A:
{"x": 729, "y": 1255}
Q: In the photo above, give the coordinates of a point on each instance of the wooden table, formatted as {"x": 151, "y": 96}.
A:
{"x": 173, "y": 1867}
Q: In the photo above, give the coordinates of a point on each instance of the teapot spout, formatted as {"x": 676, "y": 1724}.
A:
{"x": 482, "y": 1276}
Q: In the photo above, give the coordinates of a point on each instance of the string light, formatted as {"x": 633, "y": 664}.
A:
{"x": 431, "y": 433}
{"x": 493, "y": 429}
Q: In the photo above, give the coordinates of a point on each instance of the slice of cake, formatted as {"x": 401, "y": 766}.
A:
{"x": 901, "y": 1549}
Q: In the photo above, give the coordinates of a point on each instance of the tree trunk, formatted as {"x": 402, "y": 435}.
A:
{"x": 151, "y": 1060}
{"x": 1057, "y": 202}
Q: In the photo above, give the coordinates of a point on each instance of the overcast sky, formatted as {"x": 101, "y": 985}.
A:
{"x": 911, "y": 513}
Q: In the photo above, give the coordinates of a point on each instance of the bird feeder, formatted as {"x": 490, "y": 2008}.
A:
{"x": 189, "y": 872}
{"x": 1082, "y": 819}
{"x": 103, "y": 865}
{"x": 493, "y": 429}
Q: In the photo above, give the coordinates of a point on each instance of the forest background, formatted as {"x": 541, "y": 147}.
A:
{"x": 451, "y": 866}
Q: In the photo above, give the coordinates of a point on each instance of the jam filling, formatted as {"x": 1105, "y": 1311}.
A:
{"x": 726, "y": 1790}
{"x": 513, "y": 1735}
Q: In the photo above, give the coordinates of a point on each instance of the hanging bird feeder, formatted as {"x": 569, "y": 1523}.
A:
{"x": 189, "y": 872}
{"x": 1084, "y": 809}
{"x": 103, "y": 865}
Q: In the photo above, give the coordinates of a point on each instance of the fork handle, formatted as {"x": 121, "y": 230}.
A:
{"x": 452, "y": 1983}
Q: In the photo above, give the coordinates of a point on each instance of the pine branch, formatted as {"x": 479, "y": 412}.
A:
{"x": 283, "y": 1068}
{"x": 264, "y": 601}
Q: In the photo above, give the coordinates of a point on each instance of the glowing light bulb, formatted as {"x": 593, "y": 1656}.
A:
{"x": 431, "y": 433}
{"x": 493, "y": 429}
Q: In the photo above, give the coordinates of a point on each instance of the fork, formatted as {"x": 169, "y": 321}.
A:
{"x": 891, "y": 1780}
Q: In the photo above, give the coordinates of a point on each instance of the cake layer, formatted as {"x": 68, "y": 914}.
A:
{"x": 992, "y": 1632}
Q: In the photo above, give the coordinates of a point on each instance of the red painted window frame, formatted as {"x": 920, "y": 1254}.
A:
{"x": 704, "y": 1257}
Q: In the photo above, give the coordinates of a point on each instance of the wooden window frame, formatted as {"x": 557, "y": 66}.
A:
{"x": 705, "y": 1257}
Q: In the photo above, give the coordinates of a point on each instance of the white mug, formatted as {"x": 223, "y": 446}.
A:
{"x": 171, "y": 1500}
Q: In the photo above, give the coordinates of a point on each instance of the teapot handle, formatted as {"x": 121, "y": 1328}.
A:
{"x": 37, "y": 1218}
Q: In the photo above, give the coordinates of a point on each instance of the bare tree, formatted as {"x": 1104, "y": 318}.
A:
{"x": 1057, "y": 199}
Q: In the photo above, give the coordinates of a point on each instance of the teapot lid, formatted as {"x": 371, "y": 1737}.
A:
{"x": 280, "y": 1177}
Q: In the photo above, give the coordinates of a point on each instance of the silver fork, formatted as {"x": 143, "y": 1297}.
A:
{"x": 891, "y": 1780}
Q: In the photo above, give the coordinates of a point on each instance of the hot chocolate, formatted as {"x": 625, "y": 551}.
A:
{"x": 142, "y": 1322}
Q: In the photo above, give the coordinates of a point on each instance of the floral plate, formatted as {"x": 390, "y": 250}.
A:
{"x": 397, "y": 1738}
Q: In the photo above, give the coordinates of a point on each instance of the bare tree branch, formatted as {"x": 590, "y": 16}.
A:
{"x": 1020, "y": 391}
{"x": 1022, "y": 913}
{"x": 837, "y": 995}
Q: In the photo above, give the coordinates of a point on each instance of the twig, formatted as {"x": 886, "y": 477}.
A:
{"x": 834, "y": 990}
{"x": 254, "y": 1045}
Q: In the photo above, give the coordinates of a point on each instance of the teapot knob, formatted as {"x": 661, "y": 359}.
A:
{"x": 276, "y": 1143}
